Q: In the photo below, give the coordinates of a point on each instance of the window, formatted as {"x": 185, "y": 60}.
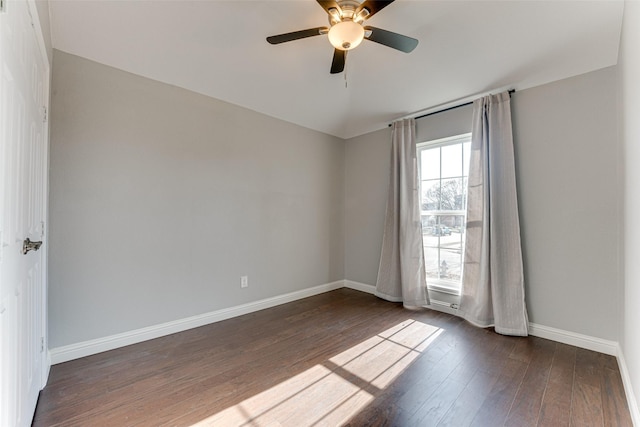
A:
{"x": 444, "y": 167}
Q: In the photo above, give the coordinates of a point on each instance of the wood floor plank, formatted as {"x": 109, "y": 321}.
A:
{"x": 466, "y": 406}
{"x": 523, "y": 350}
{"x": 496, "y": 406}
{"x": 294, "y": 357}
{"x": 155, "y": 356}
{"x": 343, "y": 357}
{"x": 433, "y": 374}
{"x": 556, "y": 403}
{"x": 490, "y": 365}
{"x": 586, "y": 408}
{"x": 525, "y": 409}
{"x": 587, "y": 404}
{"x": 472, "y": 358}
{"x": 614, "y": 403}
{"x": 588, "y": 367}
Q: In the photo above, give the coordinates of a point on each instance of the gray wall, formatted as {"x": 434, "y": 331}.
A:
{"x": 569, "y": 196}
{"x": 629, "y": 67}
{"x": 162, "y": 198}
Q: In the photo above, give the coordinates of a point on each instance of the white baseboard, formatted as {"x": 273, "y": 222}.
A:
{"x": 363, "y": 287}
{"x": 628, "y": 389}
{"x": 87, "y": 348}
{"x": 46, "y": 370}
{"x": 575, "y": 339}
{"x": 370, "y": 289}
{"x": 553, "y": 334}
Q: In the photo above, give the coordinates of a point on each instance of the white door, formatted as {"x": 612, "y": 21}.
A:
{"x": 24, "y": 77}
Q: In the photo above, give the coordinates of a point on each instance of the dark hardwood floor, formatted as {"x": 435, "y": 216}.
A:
{"x": 343, "y": 357}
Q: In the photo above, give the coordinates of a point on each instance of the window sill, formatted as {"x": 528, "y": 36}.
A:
{"x": 443, "y": 301}
{"x": 444, "y": 288}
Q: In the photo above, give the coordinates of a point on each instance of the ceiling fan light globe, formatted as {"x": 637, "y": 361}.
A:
{"x": 346, "y": 35}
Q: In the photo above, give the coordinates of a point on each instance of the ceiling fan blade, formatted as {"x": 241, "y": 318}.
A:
{"x": 339, "y": 58}
{"x": 393, "y": 40}
{"x": 296, "y": 35}
{"x": 373, "y": 6}
{"x": 328, "y": 5}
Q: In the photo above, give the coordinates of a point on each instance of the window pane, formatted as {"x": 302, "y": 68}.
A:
{"x": 452, "y": 160}
{"x": 454, "y": 222}
{"x": 443, "y": 192}
{"x": 451, "y": 195}
{"x": 429, "y": 238}
{"x": 430, "y": 195}
{"x": 450, "y": 264}
{"x": 430, "y": 163}
{"x": 431, "y": 263}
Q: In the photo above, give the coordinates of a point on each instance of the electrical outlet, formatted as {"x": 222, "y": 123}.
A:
{"x": 244, "y": 281}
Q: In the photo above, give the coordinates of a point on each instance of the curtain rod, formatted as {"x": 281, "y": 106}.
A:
{"x": 449, "y": 108}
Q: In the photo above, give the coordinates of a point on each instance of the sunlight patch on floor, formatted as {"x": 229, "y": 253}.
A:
{"x": 332, "y": 392}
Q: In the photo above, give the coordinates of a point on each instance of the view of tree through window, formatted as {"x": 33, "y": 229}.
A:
{"x": 444, "y": 166}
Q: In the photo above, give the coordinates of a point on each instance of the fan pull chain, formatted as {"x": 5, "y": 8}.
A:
{"x": 345, "y": 69}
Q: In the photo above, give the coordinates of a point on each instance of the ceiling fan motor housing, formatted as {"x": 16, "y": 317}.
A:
{"x": 347, "y": 12}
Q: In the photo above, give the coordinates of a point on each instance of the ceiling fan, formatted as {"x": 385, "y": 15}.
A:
{"x": 347, "y": 29}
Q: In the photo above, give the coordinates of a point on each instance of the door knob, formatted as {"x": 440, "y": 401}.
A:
{"x": 28, "y": 245}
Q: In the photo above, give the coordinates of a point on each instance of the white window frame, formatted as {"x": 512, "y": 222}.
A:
{"x": 441, "y": 285}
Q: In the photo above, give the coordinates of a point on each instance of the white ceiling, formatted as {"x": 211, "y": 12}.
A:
{"x": 218, "y": 48}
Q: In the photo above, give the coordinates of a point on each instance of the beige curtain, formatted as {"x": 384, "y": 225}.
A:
{"x": 401, "y": 275}
{"x": 493, "y": 283}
